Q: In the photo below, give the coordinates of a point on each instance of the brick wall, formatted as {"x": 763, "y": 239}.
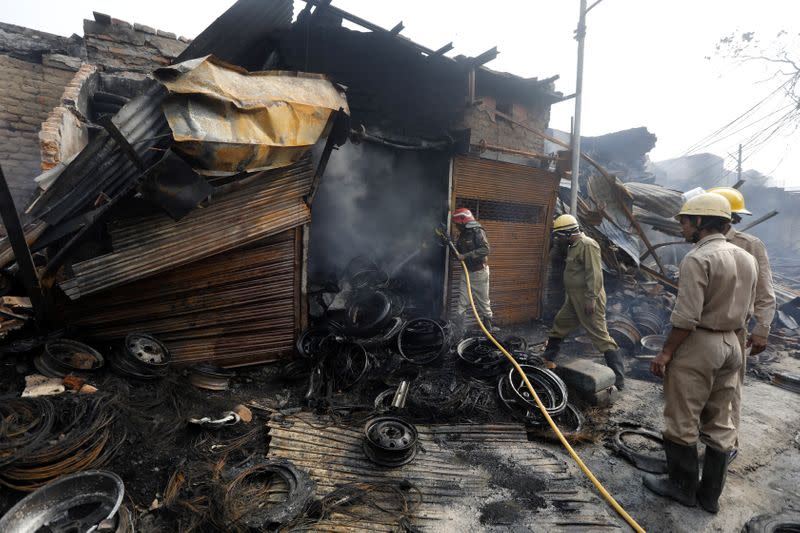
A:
{"x": 486, "y": 125}
{"x": 28, "y": 92}
{"x": 119, "y": 46}
{"x": 64, "y": 134}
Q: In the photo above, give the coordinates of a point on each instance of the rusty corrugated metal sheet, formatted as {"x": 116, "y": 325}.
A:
{"x": 519, "y": 247}
{"x": 102, "y": 167}
{"x": 231, "y": 309}
{"x": 147, "y": 246}
{"x": 453, "y": 483}
{"x": 226, "y": 120}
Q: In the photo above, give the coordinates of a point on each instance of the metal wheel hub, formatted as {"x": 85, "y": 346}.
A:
{"x": 147, "y": 349}
{"x": 390, "y": 441}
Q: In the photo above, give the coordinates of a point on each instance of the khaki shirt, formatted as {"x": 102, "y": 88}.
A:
{"x": 716, "y": 288}
{"x": 583, "y": 270}
{"x": 764, "y": 306}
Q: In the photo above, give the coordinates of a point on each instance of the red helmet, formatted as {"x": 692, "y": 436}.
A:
{"x": 462, "y": 215}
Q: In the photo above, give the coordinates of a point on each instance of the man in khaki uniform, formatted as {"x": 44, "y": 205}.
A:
{"x": 585, "y": 303}
{"x": 701, "y": 357}
{"x": 764, "y": 305}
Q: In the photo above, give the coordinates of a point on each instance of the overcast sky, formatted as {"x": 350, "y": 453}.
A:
{"x": 645, "y": 59}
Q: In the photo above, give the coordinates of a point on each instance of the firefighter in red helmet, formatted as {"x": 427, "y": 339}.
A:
{"x": 473, "y": 249}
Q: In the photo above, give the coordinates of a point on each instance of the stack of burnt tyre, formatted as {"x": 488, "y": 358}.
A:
{"x": 480, "y": 358}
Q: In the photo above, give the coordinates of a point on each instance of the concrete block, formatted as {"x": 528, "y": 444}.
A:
{"x": 102, "y": 18}
{"x": 121, "y": 23}
{"x": 143, "y": 28}
{"x": 585, "y": 376}
{"x": 603, "y": 398}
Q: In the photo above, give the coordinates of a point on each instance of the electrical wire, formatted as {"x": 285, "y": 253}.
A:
{"x": 709, "y": 139}
{"x": 608, "y": 497}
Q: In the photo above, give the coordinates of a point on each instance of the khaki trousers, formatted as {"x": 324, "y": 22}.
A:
{"x": 700, "y": 385}
{"x": 736, "y": 404}
{"x": 572, "y": 314}
{"x": 479, "y": 281}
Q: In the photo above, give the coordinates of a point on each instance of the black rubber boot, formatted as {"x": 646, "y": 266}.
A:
{"x": 682, "y": 474}
{"x": 614, "y": 362}
{"x": 551, "y": 351}
{"x": 487, "y": 323}
{"x": 715, "y": 470}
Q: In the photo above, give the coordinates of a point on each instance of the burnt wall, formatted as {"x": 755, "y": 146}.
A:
{"x": 28, "y": 92}
{"x": 484, "y": 124}
{"x": 119, "y": 46}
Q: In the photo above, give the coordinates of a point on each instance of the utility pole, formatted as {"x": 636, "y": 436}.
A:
{"x": 739, "y": 166}
{"x": 580, "y": 36}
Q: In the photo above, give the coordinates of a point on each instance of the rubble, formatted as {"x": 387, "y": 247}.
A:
{"x": 178, "y": 244}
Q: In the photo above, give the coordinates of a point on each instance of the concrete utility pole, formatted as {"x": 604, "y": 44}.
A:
{"x": 739, "y": 166}
{"x": 580, "y": 36}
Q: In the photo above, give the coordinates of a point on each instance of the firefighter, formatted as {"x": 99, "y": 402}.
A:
{"x": 764, "y": 305}
{"x": 473, "y": 249}
{"x": 701, "y": 357}
{"x": 585, "y": 303}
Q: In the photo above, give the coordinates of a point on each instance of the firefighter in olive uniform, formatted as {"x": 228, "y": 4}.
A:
{"x": 764, "y": 305}
{"x": 701, "y": 357}
{"x": 473, "y": 249}
{"x": 585, "y": 302}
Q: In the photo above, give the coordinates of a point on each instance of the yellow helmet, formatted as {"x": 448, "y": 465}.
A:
{"x": 735, "y": 197}
{"x": 707, "y": 204}
{"x": 565, "y": 223}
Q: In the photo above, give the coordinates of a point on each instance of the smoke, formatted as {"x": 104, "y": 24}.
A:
{"x": 383, "y": 204}
{"x": 708, "y": 170}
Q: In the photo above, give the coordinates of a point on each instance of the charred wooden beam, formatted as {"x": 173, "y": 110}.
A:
{"x": 326, "y": 155}
{"x": 397, "y": 28}
{"x": 16, "y": 237}
{"x": 324, "y": 4}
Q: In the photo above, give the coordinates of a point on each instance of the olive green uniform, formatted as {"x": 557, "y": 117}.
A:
{"x": 583, "y": 281}
{"x": 763, "y": 306}
{"x": 716, "y": 289}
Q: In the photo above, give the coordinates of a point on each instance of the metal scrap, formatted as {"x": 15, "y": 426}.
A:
{"x": 141, "y": 356}
{"x": 226, "y": 120}
{"x": 77, "y": 502}
{"x": 390, "y": 441}
{"x": 63, "y": 356}
{"x": 786, "y": 380}
{"x": 77, "y": 434}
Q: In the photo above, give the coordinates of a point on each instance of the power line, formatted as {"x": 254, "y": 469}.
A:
{"x": 706, "y": 141}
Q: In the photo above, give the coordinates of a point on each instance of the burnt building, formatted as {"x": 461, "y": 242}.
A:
{"x": 434, "y": 133}
{"x": 428, "y": 133}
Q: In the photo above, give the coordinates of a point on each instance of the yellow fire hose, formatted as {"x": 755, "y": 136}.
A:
{"x": 609, "y": 498}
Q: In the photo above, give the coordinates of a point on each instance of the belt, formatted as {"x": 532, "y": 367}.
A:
{"x": 737, "y": 330}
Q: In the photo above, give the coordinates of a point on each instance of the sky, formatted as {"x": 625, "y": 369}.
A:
{"x": 647, "y": 62}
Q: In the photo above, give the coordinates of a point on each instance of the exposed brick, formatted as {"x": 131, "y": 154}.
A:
{"x": 167, "y": 34}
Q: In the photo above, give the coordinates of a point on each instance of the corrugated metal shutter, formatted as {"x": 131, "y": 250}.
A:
{"x": 235, "y": 308}
{"x": 514, "y": 203}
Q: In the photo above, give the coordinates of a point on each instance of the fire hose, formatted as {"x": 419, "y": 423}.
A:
{"x": 608, "y": 497}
